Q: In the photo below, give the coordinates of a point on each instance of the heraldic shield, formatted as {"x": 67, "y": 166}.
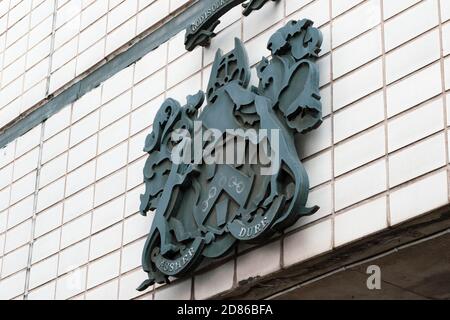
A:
{"x": 202, "y": 209}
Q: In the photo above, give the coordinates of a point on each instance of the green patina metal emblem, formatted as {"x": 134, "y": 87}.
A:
{"x": 203, "y": 208}
{"x": 201, "y": 31}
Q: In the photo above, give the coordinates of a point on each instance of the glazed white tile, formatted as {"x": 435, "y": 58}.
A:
{"x": 48, "y": 220}
{"x": 73, "y": 257}
{"x": 356, "y": 21}
{"x": 259, "y": 262}
{"x": 421, "y": 86}
{"x": 358, "y": 116}
{"x": 412, "y": 56}
{"x": 360, "y": 221}
{"x": 103, "y": 269}
{"x": 416, "y": 160}
{"x": 71, "y": 284}
{"x": 411, "y": 23}
{"x": 340, "y": 6}
{"x": 108, "y": 214}
{"x": 391, "y": 8}
{"x": 357, "y": 52}
{"x": 361, "y": 184}
{"x": 12, "y": 286}
{"x": 305, "y": 244}
{"x": 79, "y": 203}
{"x": 105, "y": 241}
{"x": 46, "y": 246}
{"x": 178, "y": 291}
{"x": 415, "y": 199}
{"x": 358, "y": 84}
{"x": 425, "y": 120}
{"x": 132, "y": 256}
{"x": 106, "y": 291}
{"x": 222, "y": 277}
{"x": 359, "y": 150}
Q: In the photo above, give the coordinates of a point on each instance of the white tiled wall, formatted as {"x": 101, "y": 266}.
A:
{"x": 69, "y": 188}
{"x": 44, "y": 44}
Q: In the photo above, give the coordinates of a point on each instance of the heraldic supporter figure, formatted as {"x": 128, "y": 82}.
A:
{"x": 203, "y": 210}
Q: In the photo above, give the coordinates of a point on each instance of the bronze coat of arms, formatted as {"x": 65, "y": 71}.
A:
{"x": 202, "y": 209}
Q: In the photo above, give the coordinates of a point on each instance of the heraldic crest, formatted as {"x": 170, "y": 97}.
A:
{"x": 201, "y": 210}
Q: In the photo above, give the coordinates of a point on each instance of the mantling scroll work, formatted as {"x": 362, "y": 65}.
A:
{"x": 205, "y": 201}
{"x": 201, "y": 31}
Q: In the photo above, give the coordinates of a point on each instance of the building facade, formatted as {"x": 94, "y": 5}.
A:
{"x": 81, "y": 82}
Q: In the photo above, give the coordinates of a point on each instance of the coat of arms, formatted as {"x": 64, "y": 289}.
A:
{"x": 246, "y": 192}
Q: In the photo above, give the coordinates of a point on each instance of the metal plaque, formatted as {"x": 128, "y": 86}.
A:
{"x": 207, "y": 196}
